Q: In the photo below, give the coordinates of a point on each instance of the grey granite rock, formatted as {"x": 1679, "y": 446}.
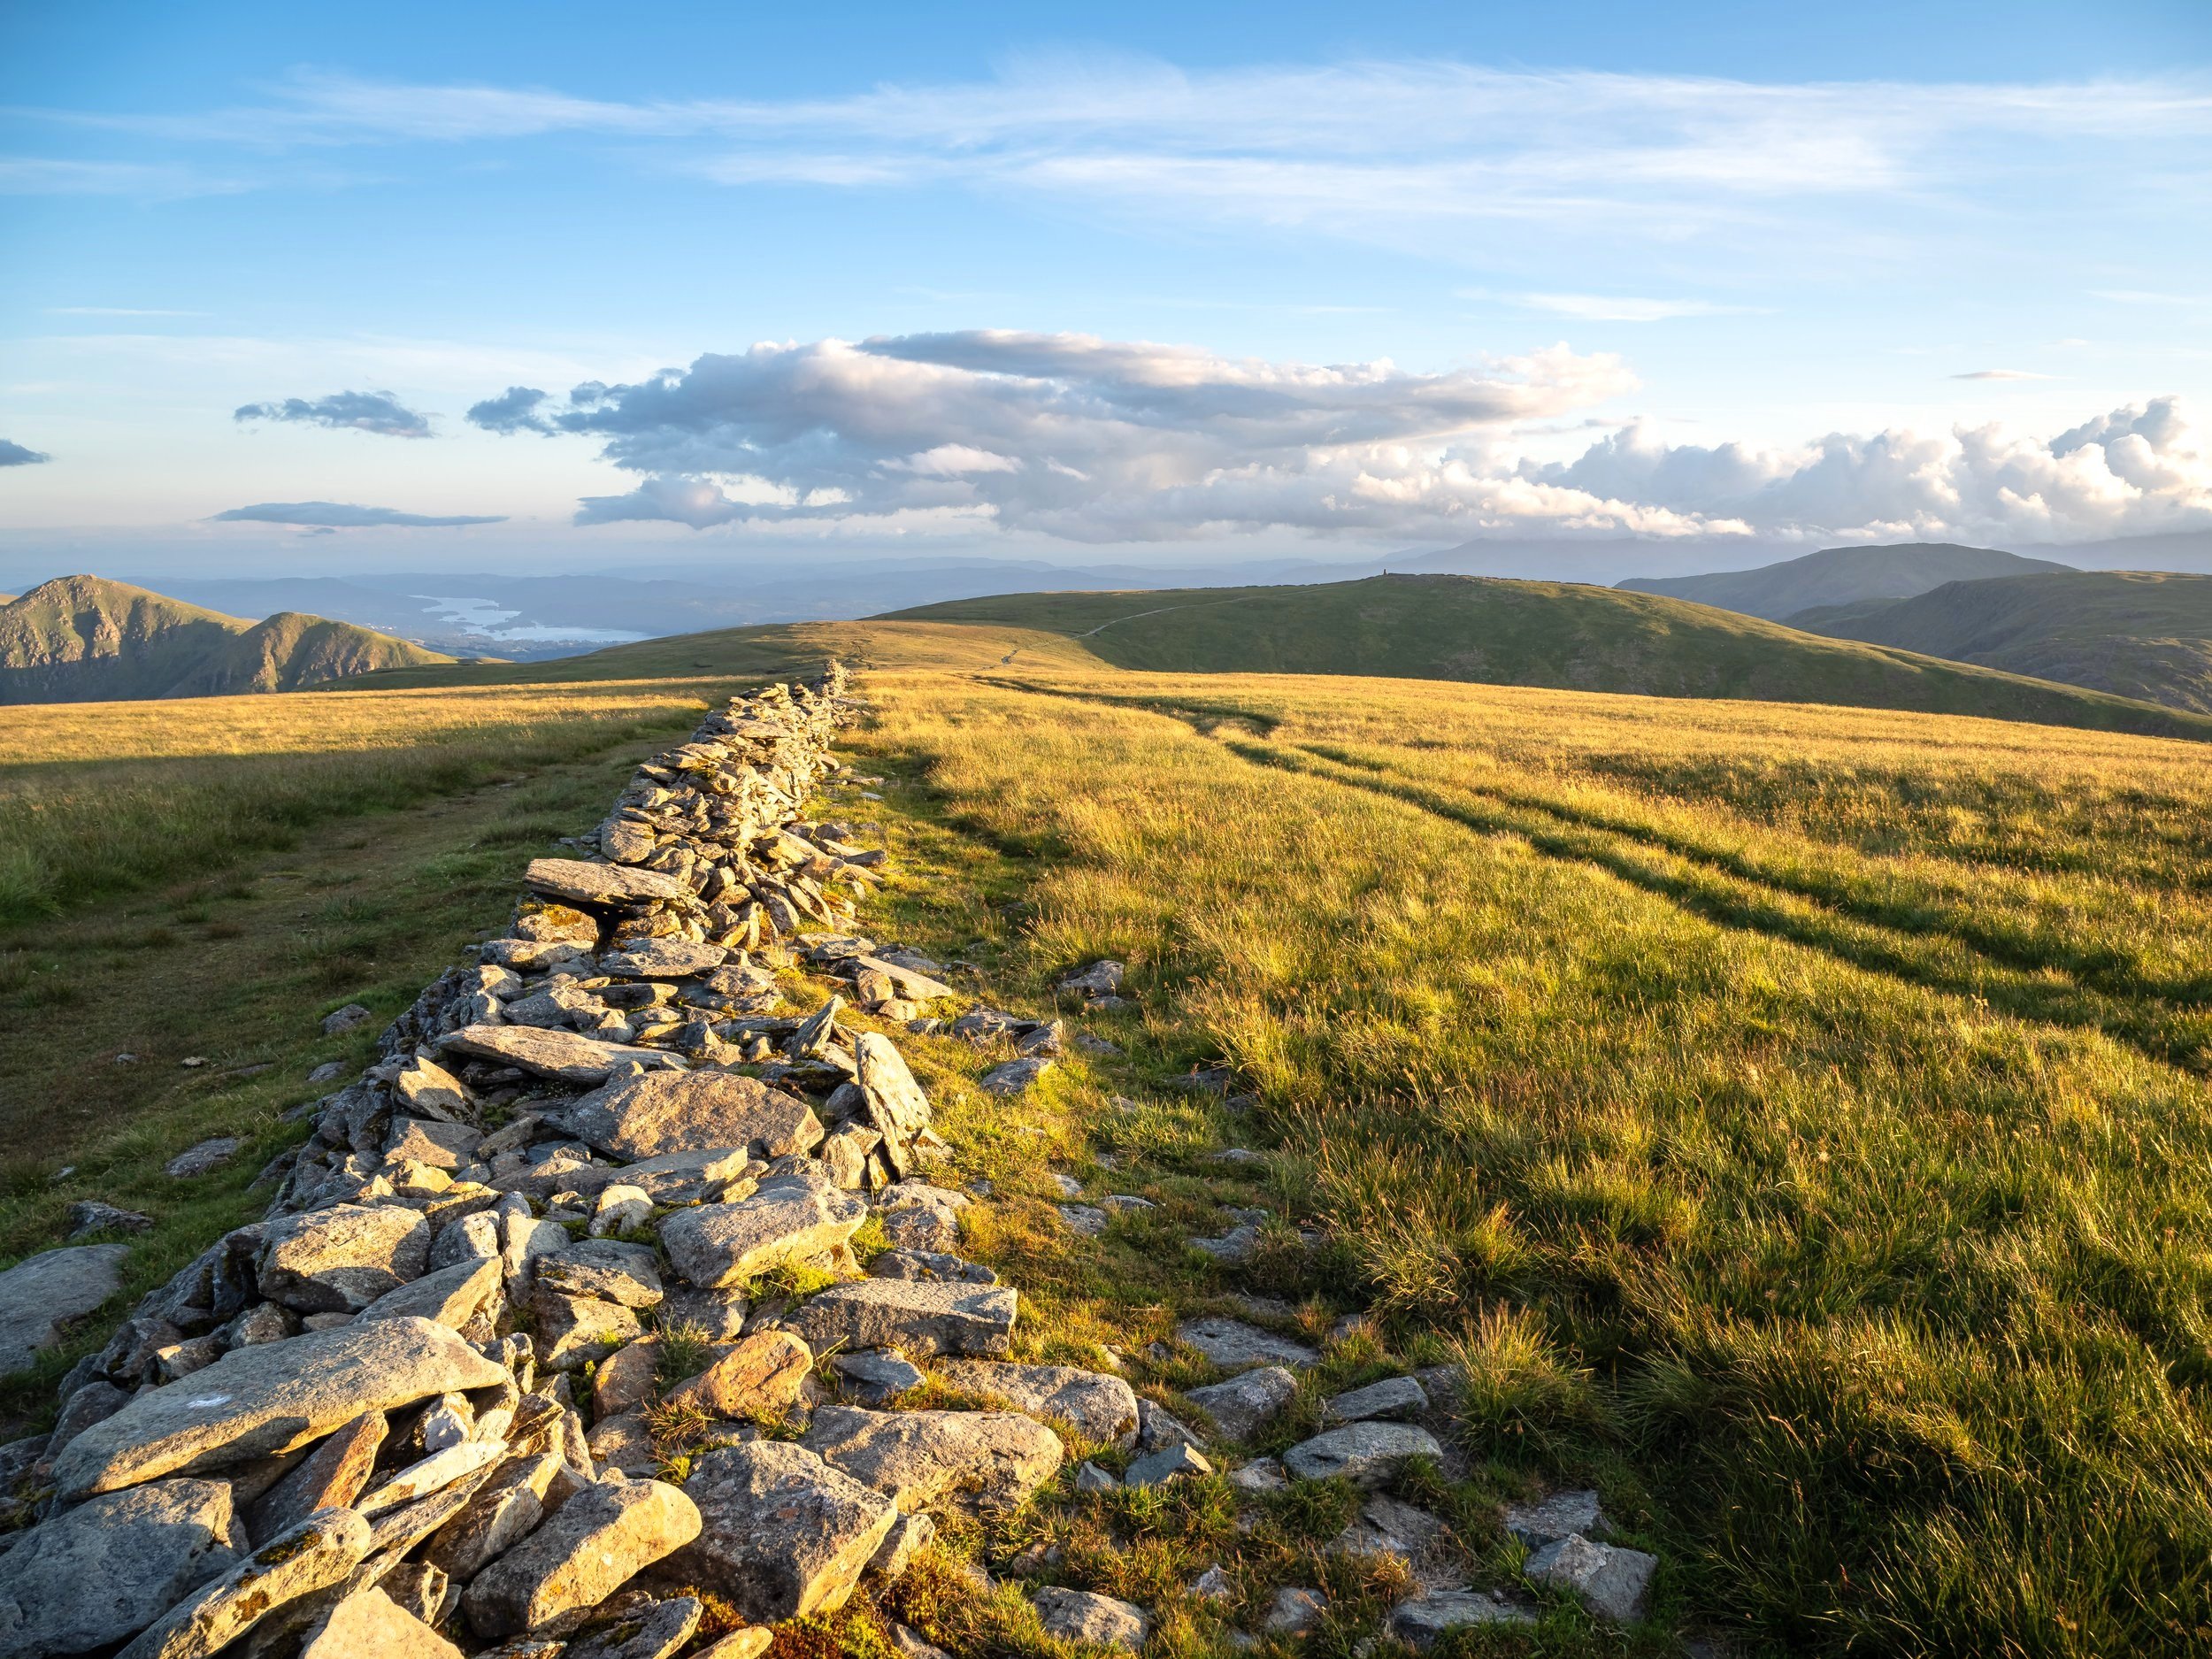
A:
{"x": 796, "y": 1219}
{"x": 1612, "y": 1582}
{"x": 1393, "y": 1397}
{"x": 917, "y": 1317}
{"x": 694, "y": 1111}
{"x": 43, "y": 1293}
{"x": 572, "y": 1562}
{"x": 923, "y": 1459}
{"x": 258, "y": 1401}
{"x": 109, "y": 1567}
{"x": 318, "y": 1553}
{"x": 1248, "y": 1401}
{"x": 782, "y": 1533}
{"x": 1083, "y": 1615}
{"x": 1098, "y": 1407}
{"x": 1232, "y": 1342}
{"x": 1365, "y": 1453}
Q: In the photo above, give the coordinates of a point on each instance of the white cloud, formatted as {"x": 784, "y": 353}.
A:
{"x": 2001, "y": 374}
{"x": 1068, "y": 435}
{"x": 1093, "y": 441}
{"x": 1373, "y": 149}
{"x": 2134, "y": 471}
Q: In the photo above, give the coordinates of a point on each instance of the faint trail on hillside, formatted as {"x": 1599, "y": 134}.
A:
{"x": 2046, "y": 995}
{"x": 2042, "y": 994}
{"x": 1158, "y": 610}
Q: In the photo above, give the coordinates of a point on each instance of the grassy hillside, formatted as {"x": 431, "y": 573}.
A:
{"x": 1531, "y": 634}
{"x": 2146, "y": 635}
{"x": 1796, "y": 1123}
{"x": 1793, "y": 1121}
{"x": 80, "y": 639}
{"x": 1842, "y": 576}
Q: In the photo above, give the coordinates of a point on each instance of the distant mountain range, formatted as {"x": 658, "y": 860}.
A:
{"x": 2135, "y": 634}
{"x": 83, "y": 639}
{"x": 1842, "y": 576}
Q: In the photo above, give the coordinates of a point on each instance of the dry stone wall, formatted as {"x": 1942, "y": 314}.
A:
{"x": 528, "y": 1356}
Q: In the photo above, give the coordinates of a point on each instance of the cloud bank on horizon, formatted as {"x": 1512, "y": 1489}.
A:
{"x": 1093, "y": 441}
{"x": 332, "y": 515}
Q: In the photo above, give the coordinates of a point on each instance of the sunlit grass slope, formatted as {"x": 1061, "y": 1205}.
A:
{"x": 1796, "y": 1117}
{"x": 1802, "y": 1110}
{"x": 1535, "y": 634}
{"x": 104, "y": 797}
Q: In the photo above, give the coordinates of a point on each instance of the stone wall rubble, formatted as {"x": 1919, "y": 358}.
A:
{"x": 530, "y": 1351}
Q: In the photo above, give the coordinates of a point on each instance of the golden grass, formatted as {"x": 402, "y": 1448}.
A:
{"x": 1793, "y": 1118}
{"x": 1801, "y": 1107}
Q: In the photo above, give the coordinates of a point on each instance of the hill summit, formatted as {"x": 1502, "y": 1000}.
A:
{"x": 84, "y": 639}
{"x": 1842, "y": 576}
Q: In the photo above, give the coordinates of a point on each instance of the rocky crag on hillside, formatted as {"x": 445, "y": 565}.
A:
{"x": 557, "y": 1340}
{"x": 83, "y": 639}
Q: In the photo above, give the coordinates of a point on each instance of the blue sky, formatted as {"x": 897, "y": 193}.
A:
{"x": 1164, "y": 280}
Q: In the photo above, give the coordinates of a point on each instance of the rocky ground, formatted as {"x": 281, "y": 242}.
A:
{"x": 620, "y": 1311}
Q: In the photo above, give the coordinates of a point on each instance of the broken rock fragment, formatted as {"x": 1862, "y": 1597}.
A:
{"x": 924, "y": 1459}
{"x": 565, "y": 1055}
{"x": 918, "y": 1318}
{"x": 318, "y": 1553}
{"x": 661, "y": 1112}
{"x": 760, "y": 1378}
{"x": 797, "y": 1218}
{"x": 782, "y": 1533}
{"x": 1098, "y": 1407}
{"x": 598, "y": 1538}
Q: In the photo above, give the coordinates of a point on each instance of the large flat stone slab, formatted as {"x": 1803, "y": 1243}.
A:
{"x": 782, "y": 1534}
{"x": 791, "y": 1219}
{"x": 1098, "y": 1407}
{"x": 545, "y": 1052}
{"x": 662, "y": 1112}
{"x": 916, "y": 1317}
{"x": 916, "y": 987}
{"x": 662, "y": 959}
{"x": 921, "y": 1460}
{"x": 603, "y": 885}
{"x": 1233, "y": 1343}
{"x": 40, "y": 1295}
{"x": 1422, "y": 1624}
{"x": 1366, "y": 1453}
{"x": 256, "y": 1402}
